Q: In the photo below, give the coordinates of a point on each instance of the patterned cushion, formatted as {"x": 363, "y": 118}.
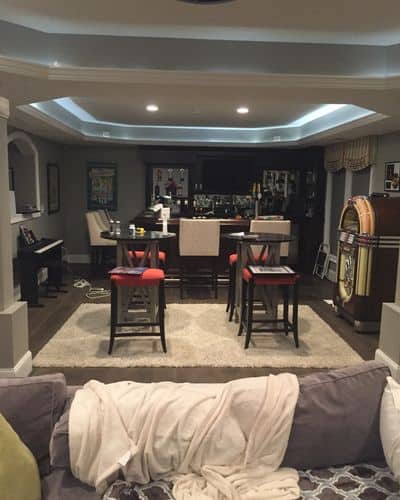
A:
{"x": 351, "y": 482}
{"x": 123, "y": 490}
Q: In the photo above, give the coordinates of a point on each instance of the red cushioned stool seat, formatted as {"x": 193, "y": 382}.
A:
{"x": 150, "y": 277}
{"x": 271, "y": 279}
{"x": 233, "y": 259}
{"x": 286, "y": 282}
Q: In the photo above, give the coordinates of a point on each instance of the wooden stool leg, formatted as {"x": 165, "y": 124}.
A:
{"x": 232, "y": 284}
{"x": 285, "y": 290}
{"x": 161, "y": 312}
{"x": 250, "y": 301}
{"x": 243, "y": 307}
{"x": 114, "y": 313}
{"x": 295, "y": 314}
{"x": 181, "y": 277}
{"x": 229, "y": 300}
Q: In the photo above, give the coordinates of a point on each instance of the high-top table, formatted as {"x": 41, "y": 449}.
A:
{"x": 270, "y": 245}
{"x": 126, "y": 240}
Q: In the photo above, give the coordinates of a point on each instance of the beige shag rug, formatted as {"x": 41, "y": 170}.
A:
{"x": 197, "y": 335}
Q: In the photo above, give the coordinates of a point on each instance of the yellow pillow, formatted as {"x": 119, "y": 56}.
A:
{"x": 19, "y": 473}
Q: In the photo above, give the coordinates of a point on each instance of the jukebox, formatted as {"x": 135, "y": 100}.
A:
{"x": 369, "y": 237}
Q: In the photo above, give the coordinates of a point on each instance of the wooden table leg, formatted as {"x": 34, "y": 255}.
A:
{"x": 240, "y": 265}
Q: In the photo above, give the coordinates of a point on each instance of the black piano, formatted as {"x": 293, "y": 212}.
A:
{"x": 33, "y": 255}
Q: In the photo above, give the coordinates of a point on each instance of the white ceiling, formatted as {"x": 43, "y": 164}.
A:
{"x": 369, "y": 22}
{"x": 200, "y": 83}
{"x": 191, "y": 108}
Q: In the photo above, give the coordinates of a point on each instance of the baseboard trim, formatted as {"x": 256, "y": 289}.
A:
{"x": 22, "y": 369}
{"x": 392, "y": 365}
{"x": 78, "y": 259}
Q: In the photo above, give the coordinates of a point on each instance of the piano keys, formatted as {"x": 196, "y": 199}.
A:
{"x": 44, "y": 253}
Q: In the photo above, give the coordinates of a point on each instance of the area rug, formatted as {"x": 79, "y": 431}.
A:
{"x": 197, "y": 335}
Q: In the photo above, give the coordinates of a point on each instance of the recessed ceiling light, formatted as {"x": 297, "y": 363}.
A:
{"x": 243, "y": 110}
{"x": 152, "y": 108}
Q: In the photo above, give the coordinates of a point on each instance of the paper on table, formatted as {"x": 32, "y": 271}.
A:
{"x": 128, "y": 270}
{"x": 271, "y": 270}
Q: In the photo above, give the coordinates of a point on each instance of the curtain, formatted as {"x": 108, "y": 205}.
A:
{"x": 353, "y": 155}
{"x": 334, "y": 157}
{"x": 360, "y": 153}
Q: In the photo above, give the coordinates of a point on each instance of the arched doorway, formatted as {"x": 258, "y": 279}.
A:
{"x": 24, "y": 172}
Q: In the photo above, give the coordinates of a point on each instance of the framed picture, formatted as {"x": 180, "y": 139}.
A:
{"x": 102, "y": 186}
{"x": 392, "y": 176}
{"x": 53, "y": 188}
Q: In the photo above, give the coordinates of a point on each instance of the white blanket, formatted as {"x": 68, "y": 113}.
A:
{"x": 214, "y": 441}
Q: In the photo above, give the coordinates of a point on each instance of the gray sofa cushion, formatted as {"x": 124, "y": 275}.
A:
{"x": 62, "y": 485}
{"x": 336, "y": 421}
{"x": 59, "y": 444}
{"x": 32, "y": 406}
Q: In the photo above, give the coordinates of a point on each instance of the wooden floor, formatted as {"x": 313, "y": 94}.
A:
{"x": 44, "y": 323}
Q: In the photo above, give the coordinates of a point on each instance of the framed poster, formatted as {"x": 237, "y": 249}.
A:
{"x": 102, "y": 186}
{"x": 392, "y": 176}
{"x": 53, "y": 188}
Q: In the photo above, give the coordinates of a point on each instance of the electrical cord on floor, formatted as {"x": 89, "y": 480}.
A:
{"x": 93, "y": 293}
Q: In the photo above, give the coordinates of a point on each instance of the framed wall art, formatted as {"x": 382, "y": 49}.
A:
{"x": 392, "y": 176}
{"x": 102, "y": 186}
{"x": 53, "y": 188}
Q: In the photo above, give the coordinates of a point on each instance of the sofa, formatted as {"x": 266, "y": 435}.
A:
{"x": 334, "y": 442}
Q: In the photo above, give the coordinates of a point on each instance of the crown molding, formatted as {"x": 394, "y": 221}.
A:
{"x": 204, "y": 78}
{"x": 19, "y": 67}
{"x": 4, "y": 108}
{"x": 195, "y": 78}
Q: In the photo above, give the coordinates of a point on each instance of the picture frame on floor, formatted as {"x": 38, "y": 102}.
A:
{"x": 102, "y": 186}
{"x": 53, "y": 188}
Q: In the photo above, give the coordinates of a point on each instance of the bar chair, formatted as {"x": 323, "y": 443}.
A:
{"x": 256, "y": 226}
{"x": 199, "y": 238}
{"x": 150, "y": 278}
{"x": 97, "y": 243}
{"x": 283, "y": 281}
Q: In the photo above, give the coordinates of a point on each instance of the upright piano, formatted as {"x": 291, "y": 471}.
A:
{"x": 34, "y": 255}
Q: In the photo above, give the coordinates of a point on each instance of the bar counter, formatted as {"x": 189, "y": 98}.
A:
{"x": 227, "y": 247}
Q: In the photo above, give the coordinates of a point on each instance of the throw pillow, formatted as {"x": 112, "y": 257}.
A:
{"x": 19, "y": 473}
{"x": 390, "y": 425}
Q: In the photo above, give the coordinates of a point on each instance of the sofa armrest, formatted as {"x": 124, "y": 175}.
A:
{"x": 32, "y": 406}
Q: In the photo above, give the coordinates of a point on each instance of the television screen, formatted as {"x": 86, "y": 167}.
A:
{"x": 227, "y": 175}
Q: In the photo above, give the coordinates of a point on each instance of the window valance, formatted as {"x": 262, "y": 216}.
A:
{"x": 353, "y": 155}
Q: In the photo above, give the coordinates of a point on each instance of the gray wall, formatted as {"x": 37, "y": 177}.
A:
{"x": 360, "y": 184}
{"x": 131, "y": 189}
{"x": 338, "y": 182}
{"x": 50, "y": 226}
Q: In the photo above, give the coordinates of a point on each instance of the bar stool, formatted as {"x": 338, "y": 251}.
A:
{"x": 199, "y": 240}
{"x": 149, "y": 278}
{"x": 256, "y": 226}
{"x": 285, "y": 282}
